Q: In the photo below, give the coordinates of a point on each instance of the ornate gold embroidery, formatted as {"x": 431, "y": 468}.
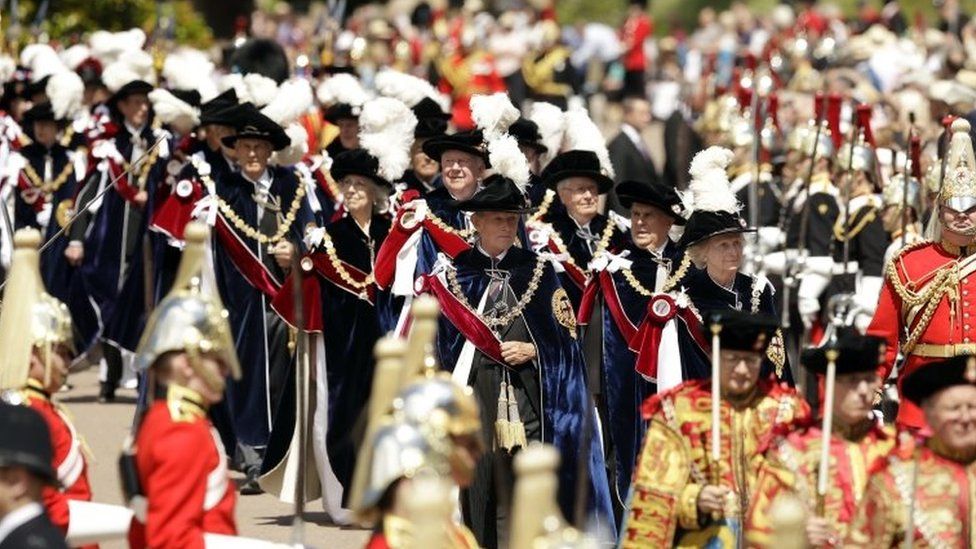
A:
{"x": 562, "y": 308}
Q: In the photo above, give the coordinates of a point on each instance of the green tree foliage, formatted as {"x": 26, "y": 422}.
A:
{"x": 68, "y": 18}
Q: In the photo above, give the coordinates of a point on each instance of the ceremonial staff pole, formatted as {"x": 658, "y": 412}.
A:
{"x": 301, "y": 398}
{"x": 716, "y": 433}
{"x": 828, "y": 422}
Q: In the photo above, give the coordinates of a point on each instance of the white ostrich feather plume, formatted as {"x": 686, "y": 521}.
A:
{"x": 294, "y": 98}
{"x": 131, "y": 65}
{"x": 296, "y": 150}
{"x": 341, "y": 88}
{"x": 386, "y": 128}
{"x": 7, "y": 68}
{"x": 74, "y": 55}
{"x": 190, "y": 69}
{"x": 408, "y": 88}
{"x": 108, "y": 46}
{"x": 508, "y": 161}
{"x": 709, "y": 189}
{"x": 493, "y": 113}
{"x": 42, "y": 61}
{"x": 583, "y": 135}
{"x": 66, "y": 92}
{"x": 173, "y": 110}
{"x": 259, "y": 89}
{"x": 549, "y": 118}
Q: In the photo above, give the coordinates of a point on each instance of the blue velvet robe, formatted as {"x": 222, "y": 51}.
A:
{"x": 565, "y": 402}
{"x": 60, "y": 279}
{"x": 623, "y": 389}
{"x": 113, "y": 266}
{"x": 256, "y": 330}
{"x": 568, "y": 232}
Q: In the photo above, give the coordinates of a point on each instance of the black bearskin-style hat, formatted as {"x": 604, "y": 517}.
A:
{"x": 431, "y": 120}
{"x": 261, "y": 56}
{"x": 576, "y": 163}
{"x": 658, "y": 195}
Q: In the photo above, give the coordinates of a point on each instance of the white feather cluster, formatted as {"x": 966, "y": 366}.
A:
{"x": 190, "y": 69}
{"x": 581, "y": 134}
{"x": 258, "y": 89}
{"x": 108, "y": 46}
{"x": 709, "y": 188}
{"x": 294, "y": 98}
{"x": 341, "y": 88}
{"x": 508, "y": 161}
{"x": 66, "y": 92}
{"x": 296, "y": 150}
{"x": 493, "y": 113}
{"x": 7, "y": 68}
{"x": 74, "y": 55}
{"x": 131, "y": 65}
{"x": 549, "y": 118}
{"x": 42, "y": 60}
{"x": 229, "y": 81}
{"x": 386, "y": 128}
{"x": 172, "y": 110}
{"x": 408, "y": 88}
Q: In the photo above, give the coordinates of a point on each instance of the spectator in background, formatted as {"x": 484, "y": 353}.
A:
{"x": 636, "y": 30}
{"x": 629, "y": 154}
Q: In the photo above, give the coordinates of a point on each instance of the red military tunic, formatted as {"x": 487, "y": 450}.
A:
{"x": 792, "y": 467}
{"x": 927, "y": 309}
{"x": 945, "y": 494}
{"x": 183, "y": 474}
{"x": 69, "y": 459}
{"x": 463, "y": 76}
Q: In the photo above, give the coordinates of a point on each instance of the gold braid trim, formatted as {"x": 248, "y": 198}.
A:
{"x": 48, "y": 187}
{"x": 500, "y": 322}
{"x": 67, "y": 135}
{"x": 440, "y": 224}
{"x": 839, "y": 226}
{"x": 540, "y": 74}
{"x": 678, "y": 274}
{"x": 143, "y": 169}
{"x": 635, "y": 284}
{"x": 283, "y": 228}
{"x": 543, "y": 206}
{"x": 945, "y": 283}
{"x": 601, "y": 246}
{"x": 330, "y": 252}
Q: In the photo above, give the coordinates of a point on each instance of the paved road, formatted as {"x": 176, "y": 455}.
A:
{"x": 105, "y": 426}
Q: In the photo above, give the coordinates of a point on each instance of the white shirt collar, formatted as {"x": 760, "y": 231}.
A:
{"x": 632, "y": 134}
{"x": 18, "y": 517}
{"x": 498, "y": 258}
{"x": 263, "y": 182}
{"x": 134, "y": 130}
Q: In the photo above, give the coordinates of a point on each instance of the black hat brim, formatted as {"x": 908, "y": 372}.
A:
{"x": 277, "y": 141}
{"x": 435, "y": 148}
{"x": 702, "y": 225}
{"x": 925, "y": 381}
{"x": 627, "y": 201}
{"x": 339, "y": 172}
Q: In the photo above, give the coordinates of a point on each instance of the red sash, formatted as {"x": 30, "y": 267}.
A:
{"x": 386, "y": 258}
{"x": 576, "y": 274}
{"x": 284, "y": 303}
{"x": 248, "y": 264}
{"x": 122, "y": 186}
{"x": 647, "y": 339}
{"x": 468, "y": 322}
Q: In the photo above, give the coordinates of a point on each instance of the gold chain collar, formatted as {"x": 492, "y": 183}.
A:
{"x": 256, "y": 234}
{"x": 440, "y": 224}
{"x": 500, "y": 322}
{"x": 344, "y": 274}
{"x": 601, "y": 246}
{"x": 144, "y": 168}
{"x": 48, "y": 187}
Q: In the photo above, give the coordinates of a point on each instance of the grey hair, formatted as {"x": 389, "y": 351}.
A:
{"x": 698, "y": 252}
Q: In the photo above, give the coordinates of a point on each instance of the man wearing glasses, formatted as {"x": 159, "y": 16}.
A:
{"x": 925, "y": 310}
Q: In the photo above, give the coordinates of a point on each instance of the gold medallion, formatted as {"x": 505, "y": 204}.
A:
{"x": 562, "y": 308}
{"x": 64, "y": 211}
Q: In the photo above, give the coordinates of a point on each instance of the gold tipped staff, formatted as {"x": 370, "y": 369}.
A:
{"x": 716, "y": 433}
{"x": 828, "y": 421}
{"x": 95, "y": 199}
{"x": 535, "y": 494}
{"x": 423, "y": 331}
